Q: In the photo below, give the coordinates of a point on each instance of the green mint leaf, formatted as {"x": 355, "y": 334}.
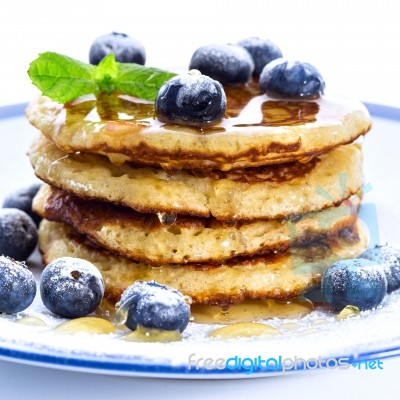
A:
{"x": 62, "y": 78}
{"x": 139, "y": 81}
{"x": 106, "y": 73}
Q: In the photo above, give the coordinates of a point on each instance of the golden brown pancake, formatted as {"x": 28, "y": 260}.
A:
{"x": 256, "y": 130}
{"x": 187, "y": 239}
{"x": 268, "y": 192}
{"x": 276, "y": 276}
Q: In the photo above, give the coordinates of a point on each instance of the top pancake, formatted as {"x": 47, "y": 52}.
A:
{"x": 256, "y": 130}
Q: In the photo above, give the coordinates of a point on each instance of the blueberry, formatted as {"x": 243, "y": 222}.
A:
{"x": 22, "y": 199}
{"x": 191, "y": 99}
{"x": 17, "y": 286}
{"x": 262, "y": 51}
{"x": 227, "y": 63}
{"x": 357, "y": 282}
{"x": 128, "y": 302}
{"x": 291, "y": 79}
{"x": 18, "y": 234}
{"x": 125, "y": 48}
{"x": 389, "y": 258}
{"x": 156, "y": 306}
{"x": 71, "y": 287}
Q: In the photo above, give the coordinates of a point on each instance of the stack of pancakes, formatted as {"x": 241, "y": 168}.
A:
{"x": 255, "y": 207}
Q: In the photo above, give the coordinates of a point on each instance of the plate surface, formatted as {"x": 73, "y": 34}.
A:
{"x": 373, "y": 336}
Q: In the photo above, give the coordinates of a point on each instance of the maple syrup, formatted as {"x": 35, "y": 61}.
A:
{"x": 247, "y": 106}
{"x": 242, "y": 330}
{"x": 142, "y": 334}
{"x": 91, "y": 325}
{"x": 251, "y": 310}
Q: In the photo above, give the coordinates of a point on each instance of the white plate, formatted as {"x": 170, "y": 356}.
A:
{"x": 373, "y": 336}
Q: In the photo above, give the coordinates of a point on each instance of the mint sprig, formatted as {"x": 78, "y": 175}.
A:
{"x": 64, "y": 79}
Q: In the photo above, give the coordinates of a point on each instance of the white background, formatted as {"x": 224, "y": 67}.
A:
{"x": 354, "y": 44}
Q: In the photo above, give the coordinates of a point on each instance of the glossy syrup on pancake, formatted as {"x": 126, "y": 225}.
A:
{"x": 243, "y": 103}
{"x": 256, "y": 130}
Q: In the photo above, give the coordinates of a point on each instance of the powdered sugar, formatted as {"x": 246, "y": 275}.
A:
{"x": 17, "y": 286}
{"x": 192, "y": 86}
{"x": 389, "y": 258}
{"x": 227, "y": 56}
{"x": 223, "y": 62}
{"x": 18, "y": 234}
{"x": 66, "y": 265}
{"x": 152, "y": 305}
{"x": 13, "y": 271}
{"x": 370, "y": 273}
{"x": 318, "y": 334}
{"x": 71, "y": 287}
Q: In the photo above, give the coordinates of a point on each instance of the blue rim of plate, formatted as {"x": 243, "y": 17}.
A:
{"x": 12, "y": 110}
{"x": 132, "y": 367}
{"x": 139, "y": 368}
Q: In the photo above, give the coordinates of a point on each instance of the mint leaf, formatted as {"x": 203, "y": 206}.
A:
{"x": 139, "y": 81}
{"x": 62, "y": 78}
{"x": 106, "y": 73}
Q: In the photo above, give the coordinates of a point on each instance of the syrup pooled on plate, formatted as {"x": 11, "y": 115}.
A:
{"x": 240, "y": 317}
{"x": 247, "y": 311}
{"x": 251, "y": 310}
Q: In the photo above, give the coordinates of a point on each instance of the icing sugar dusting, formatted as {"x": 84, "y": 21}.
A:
{"x": 66, "y": 265}
{"x": 389, "y": 258}
{"x": 14, "y": 270}
{"x": 227, "y": 55}
{"x": 316, "y": 334}
{"x": 370, "y": 272}
{"x": 192, "y": 86}
{"x": 66, "y": 279}
{"x": 17, "y": 225}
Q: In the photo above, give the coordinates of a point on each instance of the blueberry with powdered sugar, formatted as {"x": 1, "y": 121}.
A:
{"x": 125, "y": 48}
{"x": 154, "y": 306}
{"x": 226, "y": 63}
{"x": 18, "y": 234}
{"x": 357, "y": 282}
{"x": 191, "y": 99}
{"x": 263, "y": 51}
{"x": 127, "y": 304}
{"x": 71, "y": 287}
{"x": 17, "y": 286}
{"x": 291, "y": 79}
{"x": 389, "y": 258}
{"x": 22, "y": 200}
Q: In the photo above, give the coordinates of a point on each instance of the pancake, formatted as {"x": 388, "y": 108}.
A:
{"x": 276, "y": 276}
{"x": 256, "y": 130}
{"x": 188, "y": 239}
{"x": 256, "y": 193}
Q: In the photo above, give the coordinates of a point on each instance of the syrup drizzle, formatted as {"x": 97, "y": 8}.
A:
{"x": 248, "y": 311}
{"x": 251, "y": 310}
{"x": 246, "y": 107}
